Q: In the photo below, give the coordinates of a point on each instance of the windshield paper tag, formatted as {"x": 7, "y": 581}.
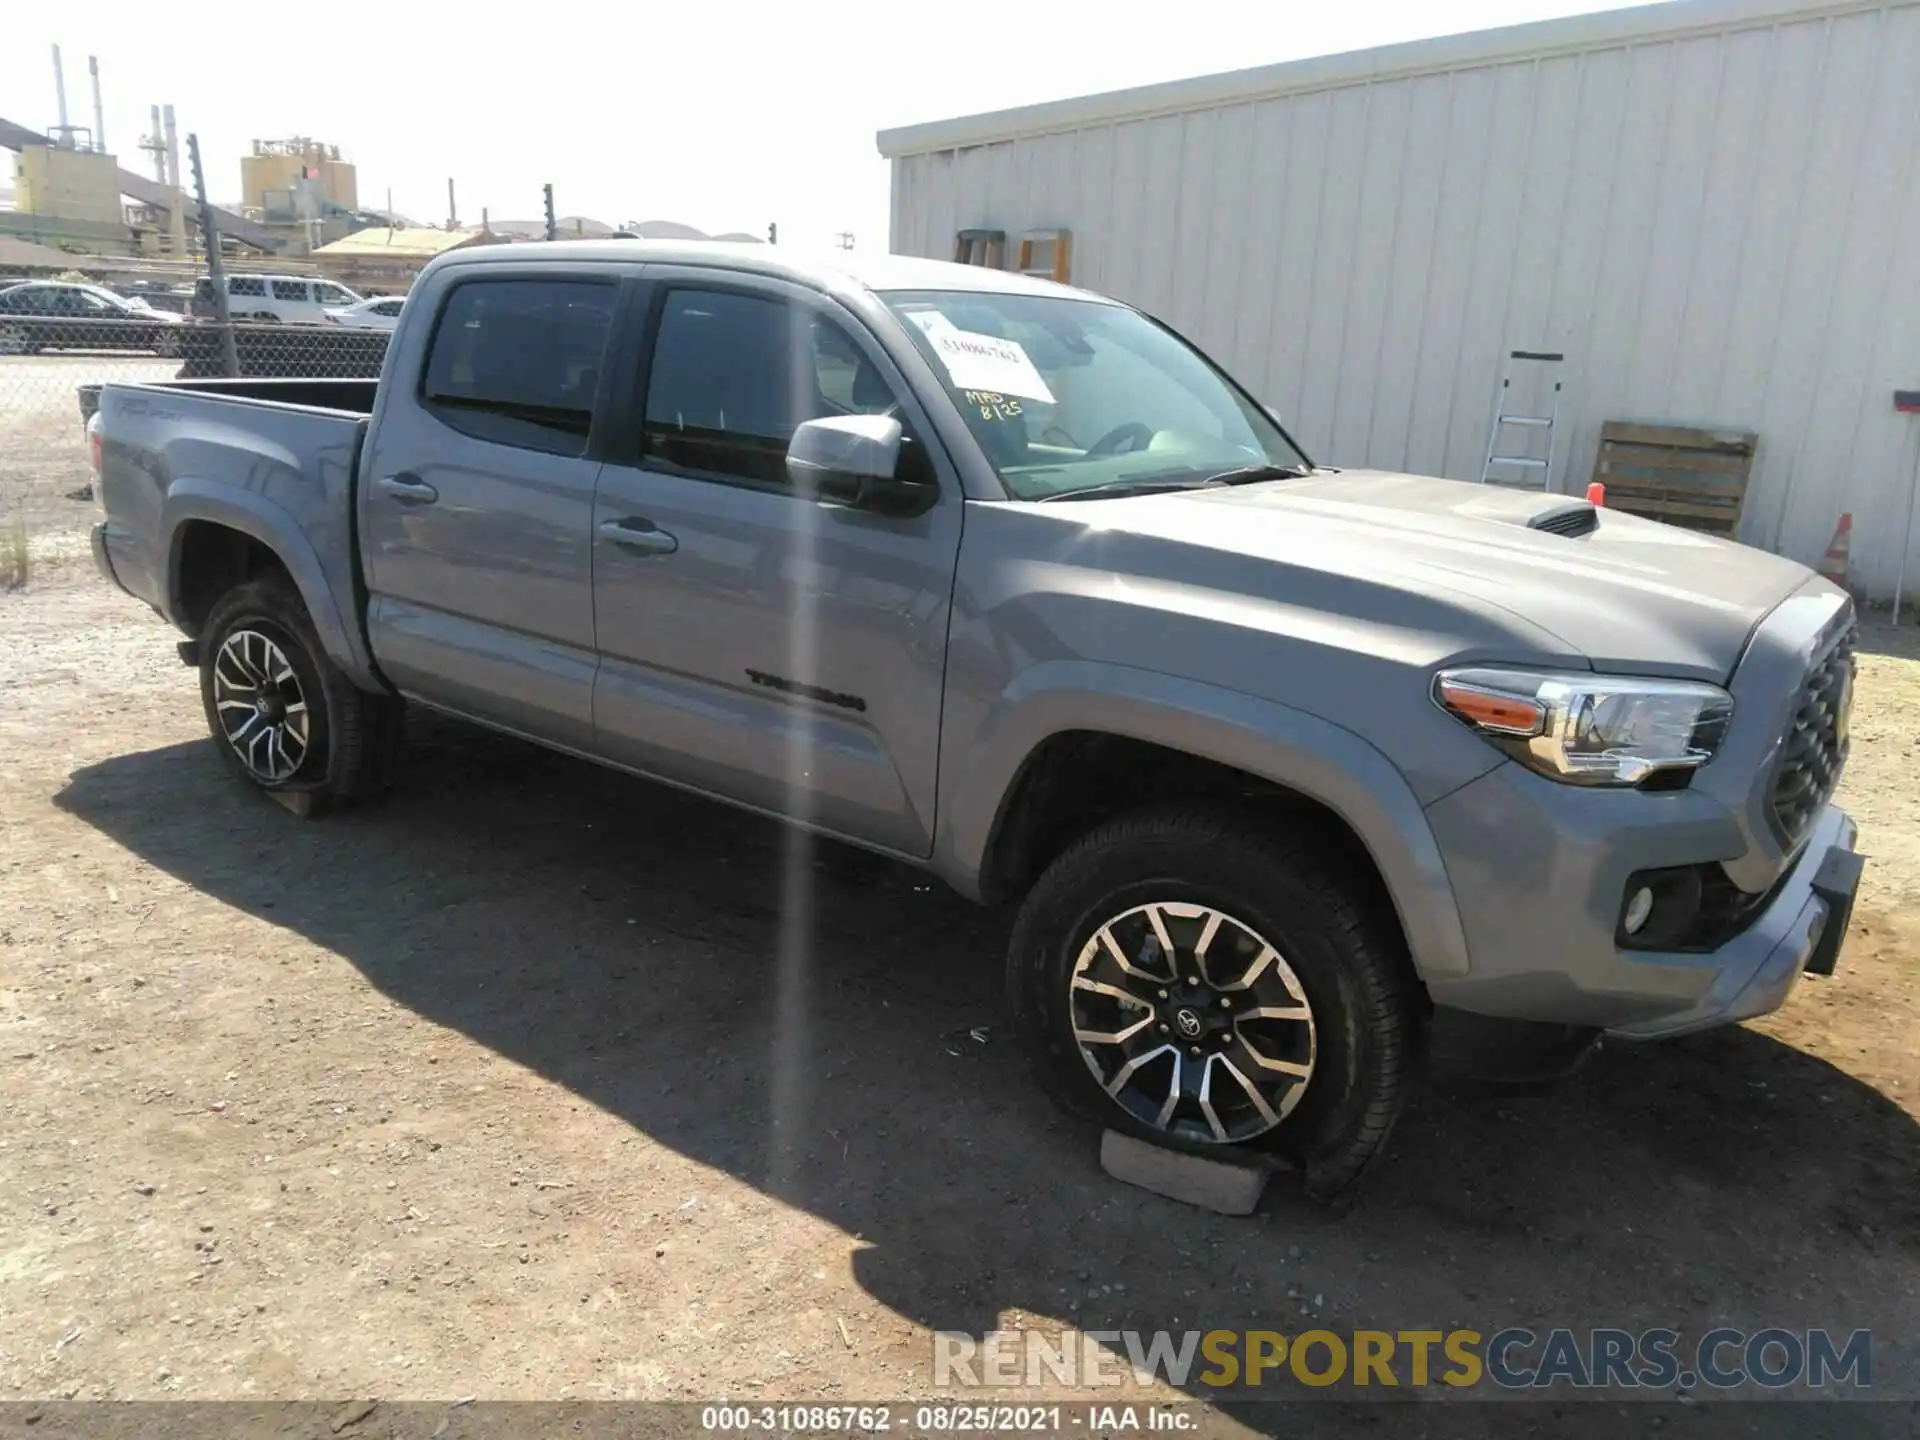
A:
{"x": 982, "y": 362}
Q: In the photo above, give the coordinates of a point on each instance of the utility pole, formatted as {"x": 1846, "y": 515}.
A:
{"x": 773, "y": 232}
{"x": 553, "y": 226}
{"x": 176, "y": 198}
{"x": 216, "y": 270}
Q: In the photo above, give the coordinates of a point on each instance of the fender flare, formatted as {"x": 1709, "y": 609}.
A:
{"x": 1290, "y": 747}
{"x": 189, "y": 499}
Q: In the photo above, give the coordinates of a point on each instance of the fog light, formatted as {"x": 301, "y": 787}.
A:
{"x": 1638, "y": 909}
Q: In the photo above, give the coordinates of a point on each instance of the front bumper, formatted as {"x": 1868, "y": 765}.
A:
{"x": 1800, "y": 932}
{"x": 1539, "y": 872}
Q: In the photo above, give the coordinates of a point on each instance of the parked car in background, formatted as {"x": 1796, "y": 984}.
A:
{"x": 173, "y": 299}
{"x": 49, "y": 315}
{"x": 380, "y": 313}
{"x": 274, "y": 299}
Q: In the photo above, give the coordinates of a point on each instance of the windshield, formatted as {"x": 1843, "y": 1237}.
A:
{"x": 1066, "y": 395}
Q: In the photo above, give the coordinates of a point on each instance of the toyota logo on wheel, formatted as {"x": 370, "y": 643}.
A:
{"x": 1188, "y": 1023}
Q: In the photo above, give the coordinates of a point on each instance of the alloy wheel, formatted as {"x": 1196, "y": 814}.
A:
{"x": 1192, "y": 1022}
{"x": 261, "y": 706}
{"x": 13, "y": 340}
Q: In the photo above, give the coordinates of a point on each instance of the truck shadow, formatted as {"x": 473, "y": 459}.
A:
{"x": 626, "y": 942}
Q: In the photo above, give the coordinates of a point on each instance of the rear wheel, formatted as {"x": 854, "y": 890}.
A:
{"x": 283, "y": 716}
{"x": 16, "y": 340}
{"x": 1196, "y": 979}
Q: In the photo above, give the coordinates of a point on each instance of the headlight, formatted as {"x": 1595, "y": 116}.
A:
{"x": 1590, "y": 729}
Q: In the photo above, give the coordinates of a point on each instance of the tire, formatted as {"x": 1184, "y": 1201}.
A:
{"x": 16, "y": 340}
{"x": 1344, "y": 957}
{"x": 335, "y": 742}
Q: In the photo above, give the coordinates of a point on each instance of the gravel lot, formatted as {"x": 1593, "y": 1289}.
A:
{"x": 496, "y": 1088}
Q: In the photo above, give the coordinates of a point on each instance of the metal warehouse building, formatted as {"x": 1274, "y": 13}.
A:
{"x": 1711, "y": 207}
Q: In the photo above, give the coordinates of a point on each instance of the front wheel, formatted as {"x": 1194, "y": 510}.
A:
{"x": 1202, "y": 979}
{"x": 283, "y": 716}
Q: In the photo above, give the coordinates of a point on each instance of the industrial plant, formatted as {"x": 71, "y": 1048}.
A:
{"x": 72, "y": 195}
{"x": 73, "y": 205}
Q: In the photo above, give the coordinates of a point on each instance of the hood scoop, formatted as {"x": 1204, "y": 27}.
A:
{"x": 1573, "y": 520}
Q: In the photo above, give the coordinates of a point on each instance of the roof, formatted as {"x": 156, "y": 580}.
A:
{"x": 597, "y": 230}
{"x": 1669, "y": 21}
{"x": 822, "y": 270}
{"x": 25, "y": 255}
{"x": 382, "y": 243}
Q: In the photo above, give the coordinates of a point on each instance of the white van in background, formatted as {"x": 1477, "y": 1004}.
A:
{"x": 274, "y": 299}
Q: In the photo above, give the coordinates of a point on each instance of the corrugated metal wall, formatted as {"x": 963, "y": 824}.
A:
{"x": 1721, "y": 229}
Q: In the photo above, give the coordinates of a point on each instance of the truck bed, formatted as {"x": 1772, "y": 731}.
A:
{"x": 348, "y": 397}
{"x": 273, "y": 459}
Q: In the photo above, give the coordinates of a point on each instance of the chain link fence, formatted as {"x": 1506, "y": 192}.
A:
{"x": 52, "y": 368}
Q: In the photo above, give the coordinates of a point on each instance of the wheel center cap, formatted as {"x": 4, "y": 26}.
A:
{"x": 268, "y": 708}
{"x": 1188, "y": 1022}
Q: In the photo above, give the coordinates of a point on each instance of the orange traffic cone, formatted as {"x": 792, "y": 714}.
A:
{"x": 1834, "y": 566}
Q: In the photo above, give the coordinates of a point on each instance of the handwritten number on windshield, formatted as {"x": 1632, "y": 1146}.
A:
{"x": 993, "y": 405}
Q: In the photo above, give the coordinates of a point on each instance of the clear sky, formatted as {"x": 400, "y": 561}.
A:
{"x": 723, "y": 115}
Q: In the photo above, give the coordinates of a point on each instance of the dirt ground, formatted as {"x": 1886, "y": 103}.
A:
{"x": 496, "y": 1088}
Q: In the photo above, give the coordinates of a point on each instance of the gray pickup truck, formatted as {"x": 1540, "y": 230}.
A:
{"x": 1009, "y": 581}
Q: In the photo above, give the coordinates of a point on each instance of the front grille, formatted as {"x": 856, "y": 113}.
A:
{"x": 1814, "y": 749}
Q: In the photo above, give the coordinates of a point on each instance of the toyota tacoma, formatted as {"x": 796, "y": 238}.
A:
{"x": 1009, "y": 581}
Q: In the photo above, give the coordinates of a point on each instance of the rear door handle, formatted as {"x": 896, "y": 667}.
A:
{"x": 407, "y": 489}
{"x": 641, "y": 535}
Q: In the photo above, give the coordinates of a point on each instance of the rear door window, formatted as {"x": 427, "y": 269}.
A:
{"x": 518, "y": 361}
{"x": 246, "y": 285}
{"x": 290, "y": 290}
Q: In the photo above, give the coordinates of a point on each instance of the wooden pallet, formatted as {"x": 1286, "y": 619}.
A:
{"x": 1696, "y": 479}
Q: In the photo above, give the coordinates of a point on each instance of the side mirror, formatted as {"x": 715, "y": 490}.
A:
{"x": 854, "y": 460}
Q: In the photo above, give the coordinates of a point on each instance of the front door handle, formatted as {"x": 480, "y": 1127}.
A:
{"x": 407, "y": 489}
{"x": 641, "y": 535}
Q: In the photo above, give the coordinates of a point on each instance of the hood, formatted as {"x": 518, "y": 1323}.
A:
{"x": 1631, "y": 595}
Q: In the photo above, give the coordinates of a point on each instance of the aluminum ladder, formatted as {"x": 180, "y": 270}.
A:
{"x": 1501, "y": 419}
